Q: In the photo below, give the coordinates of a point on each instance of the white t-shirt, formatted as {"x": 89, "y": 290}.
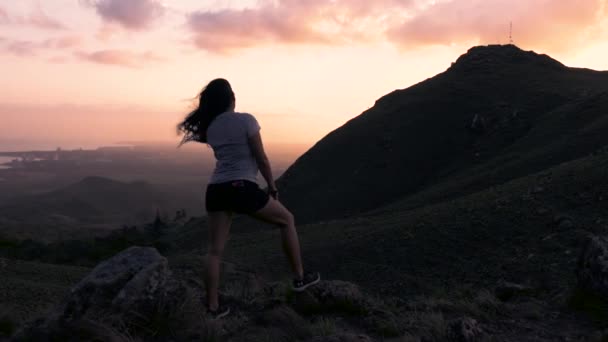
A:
{"x": 229, "y": 135}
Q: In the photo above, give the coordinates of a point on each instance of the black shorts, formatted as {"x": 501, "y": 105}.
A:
{"x": 240, "y": 196}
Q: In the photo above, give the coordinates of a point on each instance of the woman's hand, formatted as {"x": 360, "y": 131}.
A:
{"x": 274, "y": 193}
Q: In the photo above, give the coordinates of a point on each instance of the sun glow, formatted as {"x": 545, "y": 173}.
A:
{"x": 107, "y": 70}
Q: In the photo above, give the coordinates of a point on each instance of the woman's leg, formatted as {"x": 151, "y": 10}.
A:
{"x": 219, "y": 229}
{"x": 274, "y": 212}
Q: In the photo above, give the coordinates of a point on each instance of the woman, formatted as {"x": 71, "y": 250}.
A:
{"x": 237, "y": 145}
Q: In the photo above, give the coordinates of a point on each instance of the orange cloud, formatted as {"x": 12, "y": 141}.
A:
{"x": 120, "y": 57}
{"x": 407, "y": 23}
{"x": 291, "y": 22}
{"x": 131, "y": 14}
{"x": 539, "y": 23}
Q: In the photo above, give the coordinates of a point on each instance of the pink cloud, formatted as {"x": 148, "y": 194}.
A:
{"x": 4, "y": 19}
{"x": 407, "y": 23}
{"x": 41, "y": 20}
{"x": 22, "y": 48}
{"x": 122, "y": 58}
{"x": 537, "y": 23}
{"x": 131, "y": 14}
{"x": 232, "y": 29}
{"x": 64, "y": 42}
{"x": 32, "y": 48}
{"x": 106, "y": 33}
{"x": 291, "y": 22}
{"x": 38, "y": 18}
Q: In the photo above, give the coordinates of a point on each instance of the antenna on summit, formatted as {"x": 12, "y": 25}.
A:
{"x": 511, "y": 33}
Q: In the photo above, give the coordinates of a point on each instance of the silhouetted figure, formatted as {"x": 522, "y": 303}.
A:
{"x": 237, "y": 145}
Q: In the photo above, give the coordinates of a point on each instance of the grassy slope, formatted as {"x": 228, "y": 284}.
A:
{"x": 28, "y": 289}
{"x": 443, "y": 252}
{"x": 443, "y": 260}
{"x": 507, "y": 231}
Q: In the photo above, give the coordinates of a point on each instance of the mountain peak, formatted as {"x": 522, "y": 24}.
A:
{"x": 495, "y": 56}
{"x": 498, "y": 109}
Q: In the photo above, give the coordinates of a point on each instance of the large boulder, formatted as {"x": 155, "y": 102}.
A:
{"x": 592, "y": 269}
{"x": 131, "y": 281}
{"x": 119, "y": 283}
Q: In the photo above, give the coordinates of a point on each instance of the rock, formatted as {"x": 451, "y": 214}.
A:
{"x": 131, "y": 280}
{"x": 563, "y": 222}
{"x": 464, "y": 330}
{"x": 592, "y": 271}
{"x": 120, "y": 282}
{"x": 506, "y": 290}
{"x": 342, "y": 338}
{"x": 331, "y": 296}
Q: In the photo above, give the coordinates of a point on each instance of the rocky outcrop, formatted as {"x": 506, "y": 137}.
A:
{"x": 120, "y": 283}
{"x": 133, "y": 295}
{"x": 592, "y": 269}
{"x": 131, "y": 281}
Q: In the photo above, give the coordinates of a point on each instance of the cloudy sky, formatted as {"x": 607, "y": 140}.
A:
{"x": 98, "y": 71}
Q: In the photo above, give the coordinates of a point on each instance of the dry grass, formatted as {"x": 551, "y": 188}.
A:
{"x": 324, "y": 326}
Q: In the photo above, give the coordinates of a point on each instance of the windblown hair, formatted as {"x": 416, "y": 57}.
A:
{"x": 214, "y": 100}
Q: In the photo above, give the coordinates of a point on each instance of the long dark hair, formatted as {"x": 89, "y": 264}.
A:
{"x": 214, "y": 100}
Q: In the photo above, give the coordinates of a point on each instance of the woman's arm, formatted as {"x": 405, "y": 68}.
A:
{"x": 257, "y": 148}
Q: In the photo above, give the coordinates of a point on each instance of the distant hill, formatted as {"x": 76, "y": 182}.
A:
{"x": 94, "y": 199}
{"x": 498, "y": 113}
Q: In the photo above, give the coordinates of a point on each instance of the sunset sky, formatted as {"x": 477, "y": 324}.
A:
{"x": 101, "y": 71}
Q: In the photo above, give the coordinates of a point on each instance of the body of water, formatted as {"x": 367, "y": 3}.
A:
{"x": 26, "y": 146}
{"x": 4, "y": 160}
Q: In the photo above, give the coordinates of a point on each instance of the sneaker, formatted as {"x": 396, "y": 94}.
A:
{"x": 221, "y": 312}
{"x": 307, "y": 281}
